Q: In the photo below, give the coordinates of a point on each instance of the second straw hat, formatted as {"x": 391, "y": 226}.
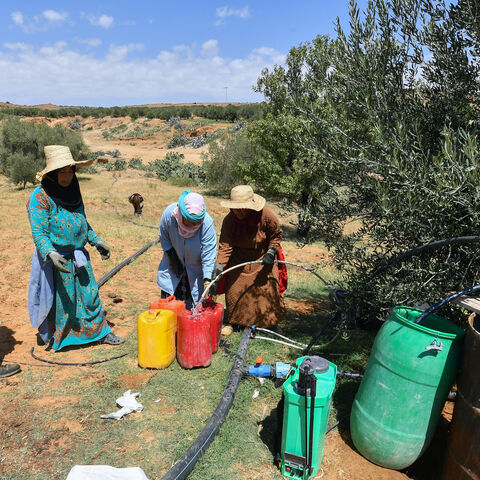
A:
{"x": 242, "y": 196}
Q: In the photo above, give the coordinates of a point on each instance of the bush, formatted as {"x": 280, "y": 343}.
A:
{"x": 23, "y": 168}
{"x": 177, "y": 140}
{"x": 21, "y": 147}
{"x": 75, "y": 124}
{"x": 173, "y": 167}
{"x": 176, "y": 123}
{"x": 198, "y": 142}
{"x": 135, "y": 163}
{"x": 227, "y": 159}
{"x": 117, "y": 165}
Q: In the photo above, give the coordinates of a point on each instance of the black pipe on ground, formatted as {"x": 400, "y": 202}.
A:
{"x": 116, "y": 269}
{"x": 184, "y": 465}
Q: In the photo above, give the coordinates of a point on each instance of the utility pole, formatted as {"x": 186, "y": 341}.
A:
{"x": 226, "y": 98}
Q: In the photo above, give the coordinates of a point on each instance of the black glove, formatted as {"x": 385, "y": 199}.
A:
{"x": 103, "y": 249}
{"x": 269, "y": 257}
{"x": 176, "y": 265}
{"x": 216, "y": 271}
{"x": 59, "y": 261}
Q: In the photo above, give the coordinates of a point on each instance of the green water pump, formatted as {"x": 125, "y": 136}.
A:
{"x": 308, "y": 394}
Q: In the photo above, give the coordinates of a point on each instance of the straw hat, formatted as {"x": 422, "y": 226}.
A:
{"x": 242, "y": 196}
{"x": 59, "y": 156}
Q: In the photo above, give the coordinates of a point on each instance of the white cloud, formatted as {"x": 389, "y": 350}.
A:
{"x": 39, "y": 23}
{"x": 104, "y": 21}
{"x": 17, "y": 18}
{"x": 210, "y": 48}
{"x": 54, "y": 16}
{"x": 120, "y": 52}
{"x": 16, "y": 46}
{"x": 223, "y": 12}
{"x": 91, "y": 42}
{"x": 61, "y": 75}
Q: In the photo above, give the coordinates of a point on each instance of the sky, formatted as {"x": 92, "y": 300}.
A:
{"x": 118, "y": 52}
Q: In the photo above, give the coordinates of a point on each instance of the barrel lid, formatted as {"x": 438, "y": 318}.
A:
{"x": 314, "y": 364}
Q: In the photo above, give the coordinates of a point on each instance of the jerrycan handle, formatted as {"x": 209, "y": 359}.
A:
{"x": 171, "y": 298}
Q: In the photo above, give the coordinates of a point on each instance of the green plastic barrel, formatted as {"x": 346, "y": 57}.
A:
{"x": 296, "y": 428}
{"x": 406, "y": 383}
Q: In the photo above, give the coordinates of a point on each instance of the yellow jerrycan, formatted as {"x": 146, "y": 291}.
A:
{"x": 156, "y": 338}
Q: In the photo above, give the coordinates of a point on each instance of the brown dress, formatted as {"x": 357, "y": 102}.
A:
{"x": 252, "y": 292}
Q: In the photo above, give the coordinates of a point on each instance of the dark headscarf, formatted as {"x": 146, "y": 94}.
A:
{"x": 69, "y": 197}
{"x": 248, "y": 225}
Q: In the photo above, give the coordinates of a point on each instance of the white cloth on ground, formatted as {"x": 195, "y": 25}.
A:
{"x": 128, "y": 403}
{"x": 94, "y": 472}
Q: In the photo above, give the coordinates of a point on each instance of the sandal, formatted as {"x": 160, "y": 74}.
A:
{"x": 111, "y": 339}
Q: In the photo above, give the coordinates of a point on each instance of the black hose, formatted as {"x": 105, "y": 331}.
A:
{"x": 116, "y": 269}
{"x": 423, "y": 249}
{"x": 332, "y": 317}
{"x": 336, "y": 424}
{"x": 184, "y": 465}
{"x": 441, "y": 303}
{"x": 80, "y": 364}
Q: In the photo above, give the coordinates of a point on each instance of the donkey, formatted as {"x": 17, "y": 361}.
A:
{"x": 137, "y": 201}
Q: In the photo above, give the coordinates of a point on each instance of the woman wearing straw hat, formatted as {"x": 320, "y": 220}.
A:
{"x": 63, "y": 300}
{"x": 189, "y": 242}
{"x": 250, "y": 232}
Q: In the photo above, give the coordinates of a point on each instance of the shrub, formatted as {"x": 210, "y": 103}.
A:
{"x": 176, "y": 123}
{"x": 135, "y": 163}
{"x": 177, "y": 140}
{"x": 198, "y": 142}
{"x": 227, "y": 159}
{"x": 23, "y": 168}
{"x": 75, "y": 124}
{"x": 173, "y": 167}
{"x": 23, "y": 142}
{"x": 117, "y": 165}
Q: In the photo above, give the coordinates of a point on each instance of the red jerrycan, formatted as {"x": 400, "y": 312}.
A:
{"x": 169, "y": 303}
{"x": 194, "y": 340}
{"x": 216, "y": 320}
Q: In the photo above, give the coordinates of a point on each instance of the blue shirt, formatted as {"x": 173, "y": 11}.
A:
{"x": 196, "y": 253}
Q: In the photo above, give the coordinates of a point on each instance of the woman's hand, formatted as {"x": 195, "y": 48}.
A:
{"x": 269, "y": 257}
{"x": 103, "y": 249}
{"x": 59, "y": 261}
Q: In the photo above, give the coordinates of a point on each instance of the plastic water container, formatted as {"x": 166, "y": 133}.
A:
{"x": 305, "y": 416}
{"x": 216, "y": 311}
{"x": 156, "y": 338}
{"x": 406, "y": 383}
{"x": 194, "y": 348}
{"x": 169, "y": 303}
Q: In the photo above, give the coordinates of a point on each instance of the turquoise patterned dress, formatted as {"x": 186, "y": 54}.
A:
{"x": 76, "y": 316}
